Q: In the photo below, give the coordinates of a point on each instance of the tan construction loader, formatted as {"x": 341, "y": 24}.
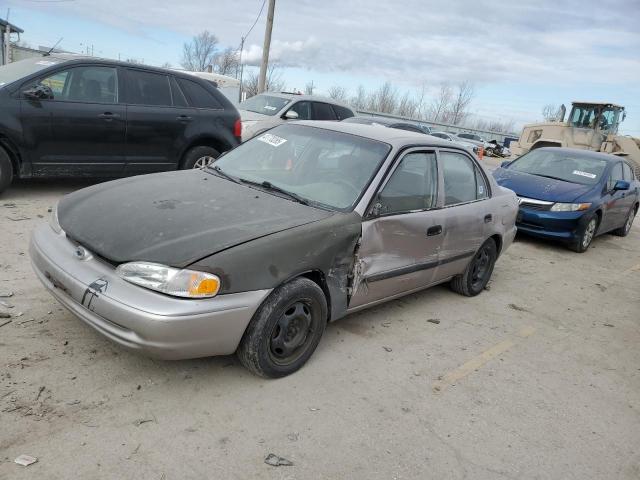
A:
{"x": 590, "y": 126}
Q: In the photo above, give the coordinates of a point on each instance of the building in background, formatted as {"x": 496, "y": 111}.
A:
{"x": 5, "y": 40}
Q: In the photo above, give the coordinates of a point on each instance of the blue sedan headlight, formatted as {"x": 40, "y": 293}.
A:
{"x": 569, "y": 207}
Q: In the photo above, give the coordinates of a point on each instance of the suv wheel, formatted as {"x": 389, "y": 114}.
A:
{"x": 286, "y": 329}
{"x": 199, "y": 157}
{"x": 6, "y": 170}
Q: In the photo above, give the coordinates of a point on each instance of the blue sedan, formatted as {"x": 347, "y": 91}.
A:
{"x": 572, "y": 195}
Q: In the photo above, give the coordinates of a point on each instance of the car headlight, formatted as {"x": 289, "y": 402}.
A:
{"x": 169, "y": 280}
{"x": 569, "y": 207}
{"x": 53, "y": 220}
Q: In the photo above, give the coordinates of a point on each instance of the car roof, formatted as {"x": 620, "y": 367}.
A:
{"x": 585, "y": 153}
{"x": 296, "y": 96}
{"x": 76, "y": 58}
{"x": 367, "y": 120}
{"x": 395, "y": 137}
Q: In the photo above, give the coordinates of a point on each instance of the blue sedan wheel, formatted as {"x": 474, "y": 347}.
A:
{"x": 624, "y": 230}
{"x": 585, "y": 235}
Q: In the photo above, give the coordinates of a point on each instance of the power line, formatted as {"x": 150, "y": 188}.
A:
{"x": 257, "y": 18}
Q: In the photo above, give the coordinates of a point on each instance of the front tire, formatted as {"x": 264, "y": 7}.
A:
{"x": 199, "y": 157}
{"x": 6, "y": 170}
{"x": 286, "y": 329}
{"x": 586, "y": 233}
{"x": 624, "y": 230}
{"x": 478, "y": 272}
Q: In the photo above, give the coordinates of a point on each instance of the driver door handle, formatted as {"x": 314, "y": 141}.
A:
{"x": 108, "y": 116}
{"x": 184, "y": 118}
{"x": 488, "y": 218}
{"x": 435, "y": 230}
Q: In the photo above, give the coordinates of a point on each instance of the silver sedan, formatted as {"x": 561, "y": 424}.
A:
{"x": 256, "y": 252}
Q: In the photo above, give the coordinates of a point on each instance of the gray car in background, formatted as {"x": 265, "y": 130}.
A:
{"x": 257, "y": 251}
{"x": 453, "y": 138}
{"x": 262, "y": 112}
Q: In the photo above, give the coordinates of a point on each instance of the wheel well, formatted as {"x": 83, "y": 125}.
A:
{"x": 498, "y": 239}
{"x": 14, "y": 156}
{"x": 219, "y": 145}
{"x": 317, "y": 277}
{"x": 545, "y": 144}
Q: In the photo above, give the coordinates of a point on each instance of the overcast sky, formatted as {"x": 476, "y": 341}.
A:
{"x": 519, "y": 56}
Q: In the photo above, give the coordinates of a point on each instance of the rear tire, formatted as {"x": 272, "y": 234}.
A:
{"x": 199, "y": 157}
{"x": 478, "y": 272}
{"x": 586, "y": 234}
{"x": 286, "y": 329}
{"x": 624, "y": 230}
{"x": 6, "y": 170}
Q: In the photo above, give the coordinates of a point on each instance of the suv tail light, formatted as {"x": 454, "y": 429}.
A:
{"x": 237, "y": 129}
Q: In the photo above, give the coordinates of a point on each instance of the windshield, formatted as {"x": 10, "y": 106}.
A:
{"x": 264, "y": 104}
{"x": 330, "y": 169}
{"x": 15, "y": 71}
{"x": 568, "y": 166}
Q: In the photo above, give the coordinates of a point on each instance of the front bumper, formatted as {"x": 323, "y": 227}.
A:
{"x": 140, "y": 319}
{"x": 561, "y": 226}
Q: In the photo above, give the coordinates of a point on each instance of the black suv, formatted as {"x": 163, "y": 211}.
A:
{"x": 64, "y": 115}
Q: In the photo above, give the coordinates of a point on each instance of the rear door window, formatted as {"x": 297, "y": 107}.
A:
{"x": 198, "y": 96}
{"x": 323, "y": 111}
{"x": 179, "y": 99}
{"x": 147, "y": 88}
{"x": 463, "y": 181}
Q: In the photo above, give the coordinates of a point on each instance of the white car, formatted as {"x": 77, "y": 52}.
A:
{"x": 453, "y": 138}
{"x": 264, "y": 111}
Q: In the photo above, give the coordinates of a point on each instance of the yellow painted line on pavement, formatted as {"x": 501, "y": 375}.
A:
{"x": 478, "y": 361}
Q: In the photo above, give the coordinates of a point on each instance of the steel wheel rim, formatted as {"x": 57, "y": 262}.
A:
{"x": 588, "y": 233}
{"x": 480, "y": 267}
{"x": 292, "y": 333}
{"x": 203, "y": 162}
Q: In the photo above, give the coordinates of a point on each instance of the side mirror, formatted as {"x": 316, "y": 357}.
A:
{"x": 39, "y": 92}
{"x": 622, "y": 185}
{"x": 505, "y": 164}
{"x": 291, "y": 115}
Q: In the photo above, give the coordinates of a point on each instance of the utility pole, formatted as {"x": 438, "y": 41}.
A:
{"x": 265, "y": 49}
{"x": 241, "y": 68}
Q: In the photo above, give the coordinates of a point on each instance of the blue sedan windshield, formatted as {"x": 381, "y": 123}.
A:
{"x": 562, "y": 165}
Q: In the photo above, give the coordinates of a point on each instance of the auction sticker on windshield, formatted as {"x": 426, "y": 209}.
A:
{"x": 584, "y": 174}
{"x": 272, "y": 140}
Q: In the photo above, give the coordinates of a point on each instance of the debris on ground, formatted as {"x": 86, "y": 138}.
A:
{"x": 276, "y": 461}
{"x": 39, "y": 393}
{"x": 293, "y": 437}
{"x": 608, "y": 325}
{"x": 386, "y": 324}
{"x": 6, "y": 294}
{"x": 518, "y": 308}
{"x": 19, "y": 219}
{"x": 5, "y": 323}
{"x": 314, "y": 409}
{"x": 25, "y": 460}
{"x": 140, "y": 421}
{"x": 388, "y": 349}
{"x": 433, "y": 320}
{"x": 5, "y": 304}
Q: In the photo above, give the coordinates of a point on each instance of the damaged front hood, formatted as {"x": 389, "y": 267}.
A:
{"x": 541, "y": 188}
{"x": 175, "y": 218}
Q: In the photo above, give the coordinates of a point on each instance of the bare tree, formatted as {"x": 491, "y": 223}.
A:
{"x": 463, "y": 97}
{"x": 227, "y": 62}
{"x": 274, "y": 81}
{"x": 165, "y": 65}
{"x": 200, "y": 52}
{"x": 383, "y": 100}
{"x": 551, "y": 112}
{"x": 338, "y": 93}
{"x": 439, "y": 108}
{"x": 359, "y": 101}
{"x": 309, "y": 88}
{"x": 407, "y": 106}
{"x": 421, "y": 107}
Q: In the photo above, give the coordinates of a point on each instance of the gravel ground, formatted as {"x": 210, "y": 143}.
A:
{"x": 537, "y": 378}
